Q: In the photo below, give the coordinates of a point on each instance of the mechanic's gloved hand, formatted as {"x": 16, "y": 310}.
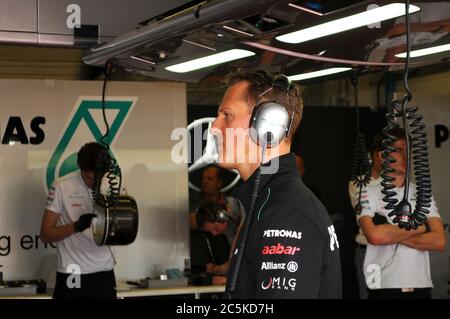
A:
{"x": 83, "y": 222}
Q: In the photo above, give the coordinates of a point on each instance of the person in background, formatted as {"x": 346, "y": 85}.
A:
{"x": 397, "y": 265}
{"x": 300, "y": 164}
{"x": 66, "y": 222}
{"x": 360, "y": 239}
{"x": 216, "y": 219}
{"x": 211, "y": 185}
{"x": 204, "y": 228}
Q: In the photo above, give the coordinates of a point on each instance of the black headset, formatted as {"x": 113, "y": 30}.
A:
{"x": 270, "y": 121}
{"x": 220, "y": 215}
{"x": 213, "y": 212}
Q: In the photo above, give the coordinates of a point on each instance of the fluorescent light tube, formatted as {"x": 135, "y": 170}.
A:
{"x": 315, "y": 74}
{"x": 426, "y": 51}
{"x": 305, "y": 9}
{"x": 209, "y": 60}
{"x": 386, "y": 12}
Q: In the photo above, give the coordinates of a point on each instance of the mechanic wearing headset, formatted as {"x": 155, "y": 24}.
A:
{"x": 217, "y": 219}
{"x": 292, "y": 250}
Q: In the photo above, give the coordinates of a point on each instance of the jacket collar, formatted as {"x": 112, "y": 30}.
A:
{"x": 286, "y": 167}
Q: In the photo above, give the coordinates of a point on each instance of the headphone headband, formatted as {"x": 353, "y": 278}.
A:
{"x": 270, "y": 121}
{"x": 282, "y": 81}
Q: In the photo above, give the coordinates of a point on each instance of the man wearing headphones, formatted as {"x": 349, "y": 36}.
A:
{"x": 287, "y": 246}
{"x": 84, "y": 269}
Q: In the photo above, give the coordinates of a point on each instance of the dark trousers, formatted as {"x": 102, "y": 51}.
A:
{"x": 99, "y": 285}
{"x": 360, "y": 254}
{"x": 418, "y": 293}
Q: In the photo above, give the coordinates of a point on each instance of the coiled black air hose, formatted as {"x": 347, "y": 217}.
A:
{"x": 418, "y": 142}
{"x": 360, "y": 167}
{"x": 106, "y": 164}
{"x": 410, "y": 119}
{"x": 361, "y": 164}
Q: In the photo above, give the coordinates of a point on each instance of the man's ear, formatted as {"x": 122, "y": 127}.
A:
{"x": 379, "y": 156}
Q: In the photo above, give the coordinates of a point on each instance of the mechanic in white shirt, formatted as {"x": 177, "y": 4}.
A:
{"x": 397, "y": 264}
{"x": 66, "y": 222}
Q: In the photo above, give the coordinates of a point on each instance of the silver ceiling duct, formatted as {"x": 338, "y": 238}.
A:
{"x": 217, "y": 26}
{"x": 180, "y": 24}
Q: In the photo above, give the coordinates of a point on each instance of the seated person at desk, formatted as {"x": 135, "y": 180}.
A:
{"x": 211, "y": 185}
{"x": 217, "y": 219}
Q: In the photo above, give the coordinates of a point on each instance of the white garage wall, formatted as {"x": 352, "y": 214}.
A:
{"x": 142, "y": 147}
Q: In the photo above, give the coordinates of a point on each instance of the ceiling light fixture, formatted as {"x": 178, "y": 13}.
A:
{"x": 237, "y": 31}
{"x": 426, "y": 51}
{"x": 142, "y": 60}
{"x": 199, "y": 45}
{"x": 296, "y": 6}
{"x": 209, "y": 60}
{"x": 368, "y": 17}
{"x": 315, "y": 74}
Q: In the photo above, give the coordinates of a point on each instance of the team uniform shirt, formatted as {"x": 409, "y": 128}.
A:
{"x": 353, "y": 191}
{"x": 70, "y": 197}
{"x": 292, "y": 249}
{"x": 395, "y": 265}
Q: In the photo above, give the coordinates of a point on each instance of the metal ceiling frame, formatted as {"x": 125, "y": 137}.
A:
{"x": 176, "y": 25}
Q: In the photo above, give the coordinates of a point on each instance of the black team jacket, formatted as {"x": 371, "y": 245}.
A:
{"x": 292, "y": 249}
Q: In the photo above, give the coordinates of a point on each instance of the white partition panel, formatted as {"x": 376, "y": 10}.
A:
{"x": 44, "y": 123}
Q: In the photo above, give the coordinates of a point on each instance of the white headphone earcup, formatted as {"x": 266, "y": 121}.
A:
{"x": 222, "y": 216}
{"x": 269, "y": 124}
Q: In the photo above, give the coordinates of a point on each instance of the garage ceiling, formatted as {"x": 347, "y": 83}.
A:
{"x": 36, "y": 42}
{"x": 255, "y": 25}
{"x": 163, "y": 33}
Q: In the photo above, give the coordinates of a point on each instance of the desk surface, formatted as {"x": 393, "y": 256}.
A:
{"x": 186, "y": 290}
{"x": 126, "y": 291}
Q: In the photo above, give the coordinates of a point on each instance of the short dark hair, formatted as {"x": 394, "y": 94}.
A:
{"x": 210, "y": 212}
{"x": 398, "y": 132}
{"x": 88, "y": 154}
{"x": 218, "y": 170}
{"x": 283, "y": 92}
